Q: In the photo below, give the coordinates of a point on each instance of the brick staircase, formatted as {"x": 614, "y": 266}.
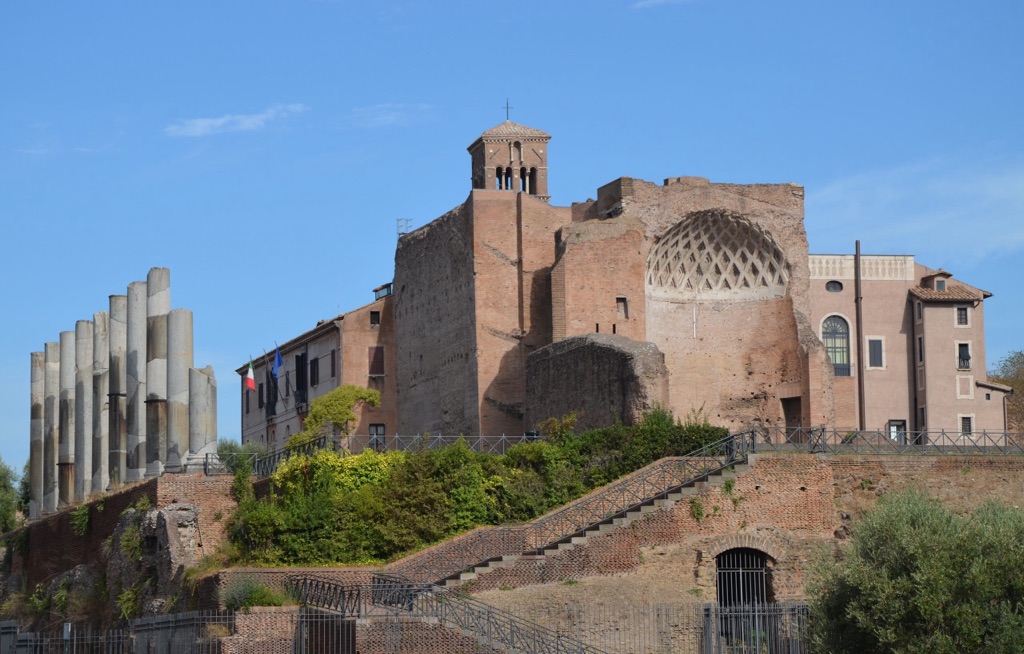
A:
{"x": 624, "y": 519}
{"x": 654, "y": 487}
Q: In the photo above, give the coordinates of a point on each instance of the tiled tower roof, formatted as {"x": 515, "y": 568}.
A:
{"x": 509, "y": 128}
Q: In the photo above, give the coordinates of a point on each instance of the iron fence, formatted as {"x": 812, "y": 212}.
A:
{"x": 890, "y": 441}
{"x": 287, "y": 630}
{"x": 264, "y": 465}
{"x": 615, "y": 500}
{"x": 491, "y": 627}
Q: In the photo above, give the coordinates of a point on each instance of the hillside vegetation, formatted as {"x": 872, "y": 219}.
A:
{"x": 329, "y": 508}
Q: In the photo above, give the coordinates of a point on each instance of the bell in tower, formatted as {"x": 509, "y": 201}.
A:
{"x": 511, "y": 157}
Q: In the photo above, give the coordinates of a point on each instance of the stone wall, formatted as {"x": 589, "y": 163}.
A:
{"x": 435, "y": 327}
{"x": 51, "y": 545}
{"x": 789, "y": 506}
{"x": 601, "y": 378}
{"x": 736, "y": 352}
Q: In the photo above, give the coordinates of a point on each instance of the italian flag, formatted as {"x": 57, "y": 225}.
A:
{"x": 250, "y": 379}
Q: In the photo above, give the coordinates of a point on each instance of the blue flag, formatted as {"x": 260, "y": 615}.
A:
{"x": 278, "y": 362}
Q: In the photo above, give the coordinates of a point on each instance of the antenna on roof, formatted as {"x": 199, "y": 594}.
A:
{"x": 506, "y": 107}
{"x": 404, "y": 226}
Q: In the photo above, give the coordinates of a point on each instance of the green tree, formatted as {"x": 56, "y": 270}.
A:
{"x": 915, "y": 577}
{"x": 10, "y": 500}
{"x": 334, "y": 412}
{"x": 1010, "y": 371}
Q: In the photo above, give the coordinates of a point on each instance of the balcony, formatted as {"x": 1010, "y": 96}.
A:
{"x": 963, "y": 363}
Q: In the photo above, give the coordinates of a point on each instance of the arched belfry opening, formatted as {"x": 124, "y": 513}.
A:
{"x": 511, "y": 157}
{"x": 743, "y": 577}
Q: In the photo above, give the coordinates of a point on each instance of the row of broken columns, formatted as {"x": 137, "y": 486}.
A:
{"x": 118, "y": 400}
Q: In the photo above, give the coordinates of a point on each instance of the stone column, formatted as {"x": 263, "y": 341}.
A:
{"x": 202, "y": 416}
{"x": 66, "y": 421}
{"x": 100, "y": 401}
{"x": 179, "y": 361}
{"x": 35, "y": 452}
{"x": 135, "y": 375}
{"x": 83, "y": 409}
{"x": 117, "y": 414}
{"x": 158, "y": 305}
{"x": 51, "y": 393}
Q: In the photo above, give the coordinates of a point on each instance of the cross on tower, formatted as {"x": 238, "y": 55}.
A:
{"x": 507, "y": 107}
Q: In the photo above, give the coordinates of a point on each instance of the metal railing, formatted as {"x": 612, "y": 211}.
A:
{"x": 615, "y": 500}
{"x": 298, "y": 630}
{"x": 851, "y": 441}
{"x": 264, "y": 465}
{"x": 486, "y": 624}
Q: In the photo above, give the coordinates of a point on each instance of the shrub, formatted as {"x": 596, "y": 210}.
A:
{"x": 80, "y": 519}
{"x": 916, "y": 577}
{"x": 245, "y": 592}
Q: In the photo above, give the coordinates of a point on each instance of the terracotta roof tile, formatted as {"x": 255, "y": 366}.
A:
{"x": 953, "y": 293}
{"x": 508, "y": 128}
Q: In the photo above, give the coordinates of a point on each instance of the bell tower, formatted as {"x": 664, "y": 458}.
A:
{"x": 511, "y": 157}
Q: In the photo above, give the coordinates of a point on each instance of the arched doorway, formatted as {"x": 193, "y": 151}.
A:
{"x": 743, "y": 577}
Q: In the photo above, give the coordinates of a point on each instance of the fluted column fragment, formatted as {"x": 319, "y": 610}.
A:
{"x": 117, "y": 413}
{"x": 202, "y": 416}
{"x": 135, "y": 374}
{"x": 83, "y": 409}
{"x": 51, "y": 399}
{"x": 66, "y": 421}
{"x": 100, "y": 401}
{"x": 35, "y": 452}
{"x": 179, "y": 361}
{"x": 158, "y": 305}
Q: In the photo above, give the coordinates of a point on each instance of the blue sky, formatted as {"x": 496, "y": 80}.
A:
{"x": 263, "y": 151}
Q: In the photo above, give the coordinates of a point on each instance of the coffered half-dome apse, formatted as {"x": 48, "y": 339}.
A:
{"x": 714, "y": 255}
{"x": 717, "y": 299}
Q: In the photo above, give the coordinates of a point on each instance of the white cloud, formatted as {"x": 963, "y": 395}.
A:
{"x": 232, "y": 122}
{"x": 389, "y": 115}
{"x": 945, "y": 209}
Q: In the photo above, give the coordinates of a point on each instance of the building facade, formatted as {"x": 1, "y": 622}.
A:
{"x": 697, "y": 296}
{"x": 352, "y": 348}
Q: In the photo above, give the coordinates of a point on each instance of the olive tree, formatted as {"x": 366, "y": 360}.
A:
{"x": 1010, "y": 371}
{"x": 916, "y": 577}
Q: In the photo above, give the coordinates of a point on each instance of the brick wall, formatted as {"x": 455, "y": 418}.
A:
{"x": 789, "y": 506}
{"x": 599, "y": 377}
{"x": 54, "y": 547}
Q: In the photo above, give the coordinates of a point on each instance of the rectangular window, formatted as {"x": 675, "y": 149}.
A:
{"x": 334, "y": 364}
{"x": 314, "y": 372}
{"x": 377, "y": 437}
{"x": 375, "y": 317}
{"x": 920, "y": 349}
{"x": 287, "y": 382}
{"x": 920, "y": 312}
{"x": 898, "y": 431}
{"x": 259, "y": 395}
{"x": 301, "y": 380}
{"x": 962, "y": 317}
{"x": 376, "y": 360}
{"x": 940, "y": 284}
{"x": 622, "y": 308}
{"x": 875, "y": 359}
{"x": 963, "y": 356}
{"x": 966, "y": 425}
{"x": 920, "y": 418}
{"x": 247, "y": 401}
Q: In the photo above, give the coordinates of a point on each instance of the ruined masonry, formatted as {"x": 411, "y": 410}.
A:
{"x": 118, "y": 399}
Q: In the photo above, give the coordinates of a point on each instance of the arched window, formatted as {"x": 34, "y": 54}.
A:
{"x": 524, "y": 181}
{"x": 742, "y": 577}
{"x": 835, "y": 333}
{"x": 517, "y": 151}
